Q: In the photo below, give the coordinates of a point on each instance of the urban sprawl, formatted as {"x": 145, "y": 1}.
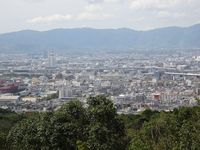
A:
{"x": 133, "y": 81}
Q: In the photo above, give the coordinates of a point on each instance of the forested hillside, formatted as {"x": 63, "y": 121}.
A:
{"x": 97, "y": 126}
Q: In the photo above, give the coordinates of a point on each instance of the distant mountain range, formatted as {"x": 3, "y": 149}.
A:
{"x": 88, "y": 39}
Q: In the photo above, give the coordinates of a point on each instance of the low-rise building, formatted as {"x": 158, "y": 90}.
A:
{"x": 8, "y": 99}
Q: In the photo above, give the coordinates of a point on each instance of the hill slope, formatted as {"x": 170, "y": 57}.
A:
{"x": 87, "y": 39}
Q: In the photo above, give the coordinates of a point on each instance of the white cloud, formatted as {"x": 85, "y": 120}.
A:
{"x": 34, "y": 1}
{"x": 170, "y": 15}
{"x": 151, "y": 4}
{"x": 161, "y": 4}
{"x": 87, "y": 15}
{"x": 163, "y": 14}
{"x": 113, "y": 1}
{"x": 137, "y": 14}
{"x": 49, "y": 19}
{"x": 104, "y": 1}
{"x": 93, "y": 12}
{"x": 95, "y": 1}
{"x": 93, "y": 8}
{"x": 92, "y": 16}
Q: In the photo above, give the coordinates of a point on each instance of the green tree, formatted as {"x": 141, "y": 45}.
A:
{"x": 198, "y": 101}
{"x": 97, "y": 126}
{"x": 70, "y": 122}
{"x": 7, "y": 120}
{"x": 59, "y": 130}
{"x": 106, "y": 130}
{"x": 24, "y": 135}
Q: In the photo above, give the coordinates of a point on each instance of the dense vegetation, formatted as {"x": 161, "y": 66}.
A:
{"x": 97, "y": 126}
{"x": 7, "y": 120}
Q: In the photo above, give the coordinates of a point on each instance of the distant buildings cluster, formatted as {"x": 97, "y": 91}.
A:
{"x": 133, "y": 81}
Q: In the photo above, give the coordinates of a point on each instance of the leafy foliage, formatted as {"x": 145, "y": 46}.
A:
{"x": 97, "y": 126}
{"x": 7, "y": 120}
{"x": 179, "y": 130}
{"x": 106, "y": 130}
{"x": 72, "y": 127}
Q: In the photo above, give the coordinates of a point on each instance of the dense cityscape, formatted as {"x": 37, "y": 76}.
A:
{"x": 133, "y": 81}
{"x": 100, "y": 75}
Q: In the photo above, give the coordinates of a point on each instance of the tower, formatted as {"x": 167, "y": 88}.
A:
{"x": 51, "y": 59}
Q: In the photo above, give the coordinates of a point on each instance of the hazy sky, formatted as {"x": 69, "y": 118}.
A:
{"x": 136, "y": 14}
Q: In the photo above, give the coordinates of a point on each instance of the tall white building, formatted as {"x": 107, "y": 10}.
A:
{"x": 65, "y": 91}
{"x": 51, "y": 59}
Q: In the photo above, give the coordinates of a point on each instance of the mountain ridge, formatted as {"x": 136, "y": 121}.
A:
{"x": 90, "y": 39}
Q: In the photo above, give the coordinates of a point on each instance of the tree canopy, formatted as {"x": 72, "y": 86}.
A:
{"x": 97, "y": 126}
{"x": 73, "y": 126}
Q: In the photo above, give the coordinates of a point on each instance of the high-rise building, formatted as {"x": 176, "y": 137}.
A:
{"x": 198, "y": 91}
{"x": 51, "y": 60}
{"x": 158, "y": 75}
{"x": 65, "y": 92}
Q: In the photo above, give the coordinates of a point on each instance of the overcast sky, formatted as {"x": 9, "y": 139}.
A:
{"x": 136, "y": 14}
